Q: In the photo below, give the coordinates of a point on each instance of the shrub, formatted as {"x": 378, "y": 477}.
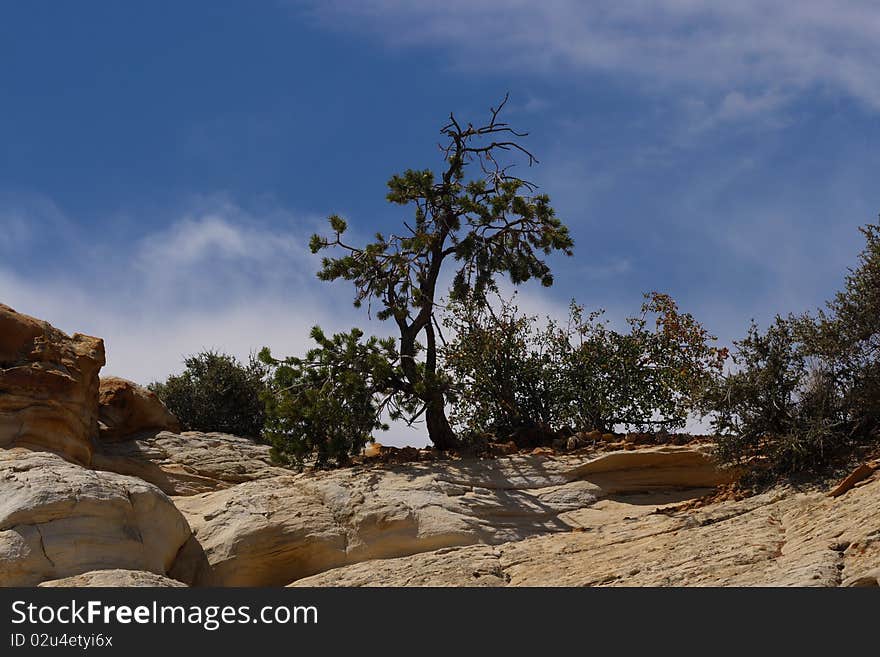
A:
{"x": 583, "y": 375}
{"x": 328, "y": 404}
{"x": 806, "y": 392}
{"x": 652, "y": 375}
{"x": 765, "y": 411}
{"x": 503, "y": 378}
{"x": 216, "y": 392}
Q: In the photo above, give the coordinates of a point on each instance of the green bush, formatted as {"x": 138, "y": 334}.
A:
{"x": 765, "y": 412}
{"x": 805, "y": 393}
{"x": 216, "y": 392}
{"x": 501, "y": 369}
{"x": 510, "y": 372}
{"x": 651, "y": 375}
{"x": 328, "y": 404}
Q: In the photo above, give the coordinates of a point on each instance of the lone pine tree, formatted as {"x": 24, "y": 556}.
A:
{"x": 492, "y": 224}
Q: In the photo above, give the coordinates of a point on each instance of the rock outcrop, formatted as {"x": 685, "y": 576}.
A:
{"x": 126, "y": 409}
{"x": 48, "y": 387}
{"x": 272, "y": 531}
{"x": 58, "y": 519}
{"x": 188, "y": 463}
{"x": 779, "y": 538}
{"x": 116, "y": 577}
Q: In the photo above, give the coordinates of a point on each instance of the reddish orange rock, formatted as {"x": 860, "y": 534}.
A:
{"x": 127, "y": 409}
{"x": 861, "y": 473}
{"x": 48, "y": 387}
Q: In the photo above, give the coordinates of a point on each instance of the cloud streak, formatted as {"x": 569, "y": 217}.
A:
{"x": 750, "y": 47}
{"x": 216, "y": 277}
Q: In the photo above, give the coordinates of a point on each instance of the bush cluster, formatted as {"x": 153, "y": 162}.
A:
{"x": 805, "y": 393}
{"x": 509, "y": 371}
{"x": 215, "y": 392}
{"x": 798, "y": 395}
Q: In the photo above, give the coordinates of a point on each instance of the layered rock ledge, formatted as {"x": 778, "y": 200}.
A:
{"x": 275, "y": 530}
{"x": 779, "y": 538}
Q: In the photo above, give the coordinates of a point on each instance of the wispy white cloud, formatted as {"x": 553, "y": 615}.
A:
{"x": 762, "y": 110}
{"x": 747, "y": 47}
{"x": 218, "y": 277}
{"x": 16, "y": 231}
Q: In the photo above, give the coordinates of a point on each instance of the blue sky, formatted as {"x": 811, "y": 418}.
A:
{"x": 163, "y": 163}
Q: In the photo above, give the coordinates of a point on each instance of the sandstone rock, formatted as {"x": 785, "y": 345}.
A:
{"x": 276, "y": 530}
{"x": 779, "y": 538}
{"x": 48, "y": 387}
{"x": 259, "y": 533}
{"x": 476, "y": 565}
{"x": 125, "y": 408}
{"x": 110, "y": 578}
{"x": 652, "y": 468}
{"x": 188, "y": 463}
{"x": 861, "y": 473}
{"x": 502, "y": 449}
{"x": 58, "y": 519}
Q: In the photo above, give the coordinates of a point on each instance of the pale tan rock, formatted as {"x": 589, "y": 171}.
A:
{"x": 115, "y": 577}
{"x": 779, "y": 538}
{"x": 48, "y": 387}
{"x": 126, "y": 409}
{"x": 259, "y": 533}
{"x": 668, "y": 466}
{"x": 475, "y": 565}
{"x": 188, "y": 463}
{"x": 58, "y": 519}
{"x": 273, "y": 531}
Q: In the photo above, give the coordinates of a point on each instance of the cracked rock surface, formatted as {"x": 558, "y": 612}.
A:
{"x": 279, "y": 529}
{"x": 115, "y": 577}
{"x": 779, "y": 538}
{"x": 187, "y": 463}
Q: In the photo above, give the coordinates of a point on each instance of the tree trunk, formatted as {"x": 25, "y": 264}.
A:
{"x": 439, "y": 431}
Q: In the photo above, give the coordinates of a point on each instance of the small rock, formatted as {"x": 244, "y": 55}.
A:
{"x": 372, "y": 450}
{"x": 125, "y": 409}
